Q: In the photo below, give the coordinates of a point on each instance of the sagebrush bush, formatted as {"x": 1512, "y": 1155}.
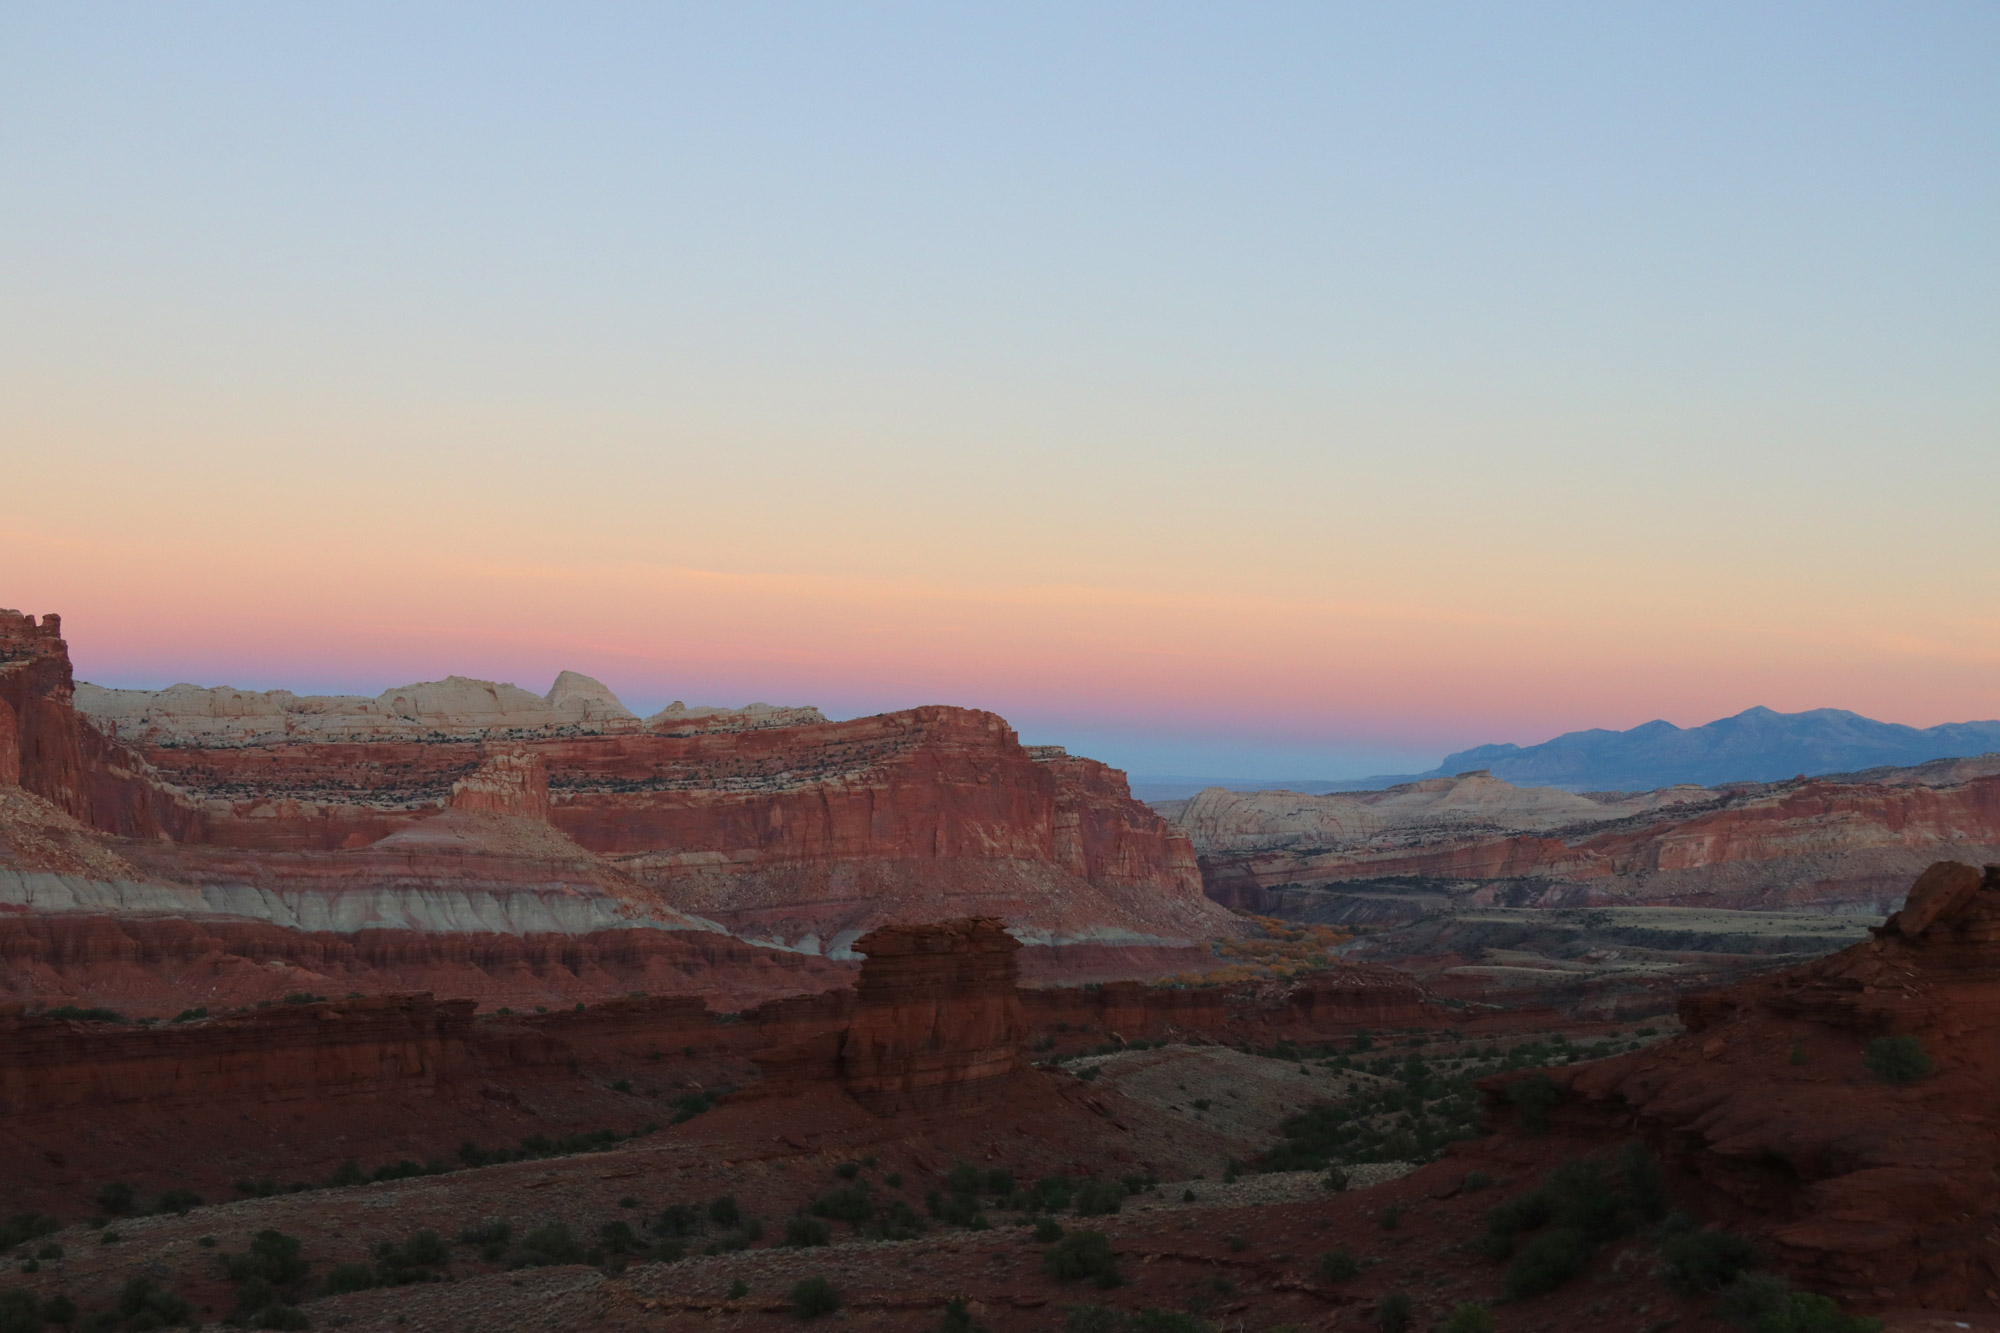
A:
{"x": 1337, "y": 1266}
{"x": 1705, "y": 1260}
{"x": 802, "y": 1232}
{"x": 1900, "y": 1059}
{"x": 1082, "y": 1254}
{"x": 1546, "y": 1262}
{"x": 1469, "y": 1317}
{"x": 1099, "y": 1198}
{"x": 813, "y": 1297}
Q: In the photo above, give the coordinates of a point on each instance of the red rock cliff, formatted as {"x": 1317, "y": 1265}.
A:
{"x": 806, "y": 834}
{"x": 1810, "y": 844}
{"x": 48, "y": 749}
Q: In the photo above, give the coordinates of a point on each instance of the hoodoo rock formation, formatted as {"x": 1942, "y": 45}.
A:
{"x": 937, "y": 1021}
{"x": 1866, "y": 1170}
{"x": 476, "y": 821}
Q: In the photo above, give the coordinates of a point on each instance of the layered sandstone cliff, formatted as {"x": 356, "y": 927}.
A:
{"x": 457, "y": 707}
{"x": 1834, "y": 844}
{"x": 466, "y": 809}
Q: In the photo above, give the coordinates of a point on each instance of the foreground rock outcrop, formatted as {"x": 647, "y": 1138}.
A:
{"x": 1783, "y": 1114}
{"x": 937, "y": 1021}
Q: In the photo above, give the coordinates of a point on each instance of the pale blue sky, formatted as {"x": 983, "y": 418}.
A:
{"x": 1675, "y": 321}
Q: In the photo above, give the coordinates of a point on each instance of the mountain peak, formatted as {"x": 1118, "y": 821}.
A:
{"x": 1758, "y": 744}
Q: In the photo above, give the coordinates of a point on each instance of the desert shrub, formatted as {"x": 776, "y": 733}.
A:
{"x": 1082, "y": 1254}
{"x": 897, "y": 1221}
{"x": 1090, "y": 1319}
{"x": 1476, "y": 1181}
{"x": 1768, "y": 1304}
{"x": 723, "y": 1211}
{"x": 678, "y": 1219}
{"x": 1337, "y": 1266}
{"x": 347, "y": 1173}
{"x": 1237, "y": 1242}
{"x": 1897, "y": 1059}
{"x": 1051, "y": 1194}
{"x": 423, "y": 1249}
{"x": 549, "y": 1244}
{"x": 1047, "y": 1230}
{"x": 619, "y": 1238}
{"x": 802, "y": 1232}
{"x": 19, "y": 1313}
{"x": 1798, "y": 1052}
{"x": 93, "y": 1014}
{"x": 24, "y": 1227}
{"x": 49, "y": 1250}
{"x": 1393, "y": 1314}
{"x": 1391, "y": 1218}
{"x": 1546, "y": 1262}
{"x": 1099, "y": 1198}
{"x": 814, "y": 1297}
{"x": 1705, "y": 1260}
{"x": 1532, "y": 1099}
{"x": 958, "y": 1317}
{"x": 144, "y": 1304}
{"x": 178, "y": 1201}
{"x": 273, "y": 1257}
{"x": 493, "y": 1231}
{"x": 1000, "y": 1182}
{"x": 1335, "y": 1179}
{"x": 959, "y": 1210}
{"x": 1151, "y": 1320}
{"x": 850, "y": 1203}
{"x": 116, "y": 1198}
{"x": 1645, "y": 1188}
{"x": 59, "y": 1309}
{"x": 348, "y": 1277}
{"x": 1469, "y": 1317}
{"x": 963, "y": 1178}
{"x": 190, "y": 1015}
{"x": 847, "y": 1170}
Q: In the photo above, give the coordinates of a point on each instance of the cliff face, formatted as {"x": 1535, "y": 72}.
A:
{"x": 47, "y": 749}
{"x": 1346, "y": 999}
{"x": 159, "y": 964}
{"x": 806, "y": 835}
{"x": 1832, "y": 845}
{"x": 475, "y": 811}
{"x": 1766, "y": 1108}
{"x": 363, "y": 1048}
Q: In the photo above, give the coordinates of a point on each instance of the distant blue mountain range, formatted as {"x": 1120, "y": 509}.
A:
{"x": 1756, "y": 745}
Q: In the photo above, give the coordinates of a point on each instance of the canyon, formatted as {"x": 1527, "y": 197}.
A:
{"x": 900, "y": 1142}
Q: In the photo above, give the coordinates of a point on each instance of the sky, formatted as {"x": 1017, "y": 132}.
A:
{"x": 1290, "y": 390}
